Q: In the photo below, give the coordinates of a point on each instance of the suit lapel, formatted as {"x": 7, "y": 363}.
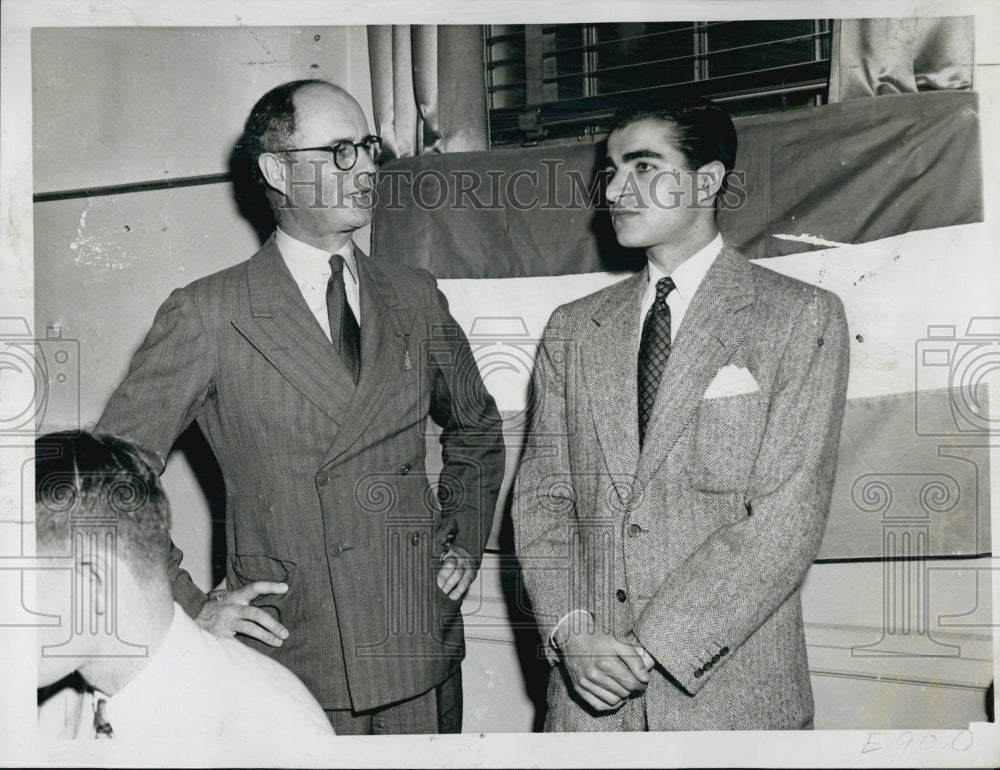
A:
{"x": 284, "y": 331}
{"x": 386, "y": 324}
{"x": 609, "y": 364}
{"x": 709, "y": 335}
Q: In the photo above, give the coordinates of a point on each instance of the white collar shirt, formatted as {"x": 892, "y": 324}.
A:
{"x": 310, "y": 269}
{"x": 194, "y": 685}
{"x": 131, "y": 710}
{"x": 687, "y": 278}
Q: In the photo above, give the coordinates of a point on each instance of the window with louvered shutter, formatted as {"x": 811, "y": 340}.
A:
{"x": 554, "y": 82}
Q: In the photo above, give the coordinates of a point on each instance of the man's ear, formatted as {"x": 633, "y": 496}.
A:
{"x": 275, "y": 171}
{"x": 708, "y": 181}
{"x": 93, "y": 579}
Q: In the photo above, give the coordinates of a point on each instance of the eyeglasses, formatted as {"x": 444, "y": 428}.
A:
{"x": 345, "y": 153}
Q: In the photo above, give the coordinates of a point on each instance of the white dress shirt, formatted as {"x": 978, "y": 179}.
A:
{"x": 194, "y": 686}
{"x": 687, "y": 276}
{"x": 310, "y": 267}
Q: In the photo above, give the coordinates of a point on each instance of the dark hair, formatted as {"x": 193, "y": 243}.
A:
{"x": 272, "y": 119}
{"x": 703, "y": 130}
{"x": 272, "y": 122}
{"x": 82, "y": 477}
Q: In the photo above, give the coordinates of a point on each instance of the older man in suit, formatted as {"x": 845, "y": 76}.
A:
{"x": 312, "y": 369}
{"x": 675, "y": 486}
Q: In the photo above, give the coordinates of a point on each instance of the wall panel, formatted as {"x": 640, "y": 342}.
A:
{"x": 129, "y": 104}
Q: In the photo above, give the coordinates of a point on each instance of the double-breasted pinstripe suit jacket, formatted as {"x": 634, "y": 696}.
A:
{"x": 698, "y": 543}
{"x": 325, "y": 481}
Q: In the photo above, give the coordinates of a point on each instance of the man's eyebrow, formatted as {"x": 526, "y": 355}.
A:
{"x": 634, "y": 155}
{"x": 641, "y": 153}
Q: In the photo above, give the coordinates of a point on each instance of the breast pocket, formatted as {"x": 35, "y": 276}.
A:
{"x": 727, "y": 438}
{"x": 246, "y": 569}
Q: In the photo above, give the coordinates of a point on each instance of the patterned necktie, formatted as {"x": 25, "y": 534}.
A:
{"x": 344, "y": 329}
{"x": 102, "y": 727}
{"x": 654, "y": 349}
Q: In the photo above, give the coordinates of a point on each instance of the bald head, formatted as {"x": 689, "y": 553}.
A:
{"x": 315, "y": 97}
{"x": 273, "y": 119}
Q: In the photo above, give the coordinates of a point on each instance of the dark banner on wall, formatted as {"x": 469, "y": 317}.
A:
{"x": 805, "y": 179}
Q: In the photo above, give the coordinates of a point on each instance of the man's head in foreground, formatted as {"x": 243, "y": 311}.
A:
{"x": 101, "y": 511}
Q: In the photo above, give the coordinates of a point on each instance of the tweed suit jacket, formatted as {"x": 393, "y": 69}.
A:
{"x": 326, "y": 487}
{"x": 699, "y": 542}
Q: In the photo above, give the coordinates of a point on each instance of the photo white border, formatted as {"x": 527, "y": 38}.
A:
{"x": 17, "y": 674}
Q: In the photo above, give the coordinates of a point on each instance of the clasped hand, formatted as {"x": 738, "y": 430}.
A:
{"x": 605, "y": 670}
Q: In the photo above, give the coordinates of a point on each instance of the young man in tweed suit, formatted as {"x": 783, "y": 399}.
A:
{"x": 675, "y": 486}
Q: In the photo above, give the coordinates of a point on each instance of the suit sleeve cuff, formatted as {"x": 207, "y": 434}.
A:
{"x": 689, "y": 668}
{"x": 188, "y": 595}
{"x": 559, "y": 633}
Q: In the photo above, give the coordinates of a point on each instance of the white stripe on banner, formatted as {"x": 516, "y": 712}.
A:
{"x": 892, "y": 289}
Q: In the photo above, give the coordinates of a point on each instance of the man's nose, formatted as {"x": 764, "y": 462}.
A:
{"x": 616, "y": 183}
{"x": 364, "y": 170}
{"x": 365, "y": 163}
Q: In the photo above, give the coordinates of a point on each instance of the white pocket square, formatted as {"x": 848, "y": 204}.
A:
{"x": 731, "y": 381}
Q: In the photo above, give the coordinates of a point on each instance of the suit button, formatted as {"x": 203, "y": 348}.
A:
{"x": 405, "y": 469}
{"x": 335, "y": 550}
{"x": 724, "y": 651}
{"x": 715, "y": 659}
{"x": 323, "y": 479}
{"x": 634, "y": 530}
{"x": 698, "y": 673}
{"x": 621, "y": 595}
{"x": 709, "y": 665}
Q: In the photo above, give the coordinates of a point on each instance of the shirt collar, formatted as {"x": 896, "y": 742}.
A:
{"x": 302, "y": 256}
{"x": 689, "y": 274}
{"x": 130, "y": 710}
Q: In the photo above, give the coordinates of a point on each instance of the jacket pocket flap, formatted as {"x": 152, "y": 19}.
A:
{"x": 261, "y": 567}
